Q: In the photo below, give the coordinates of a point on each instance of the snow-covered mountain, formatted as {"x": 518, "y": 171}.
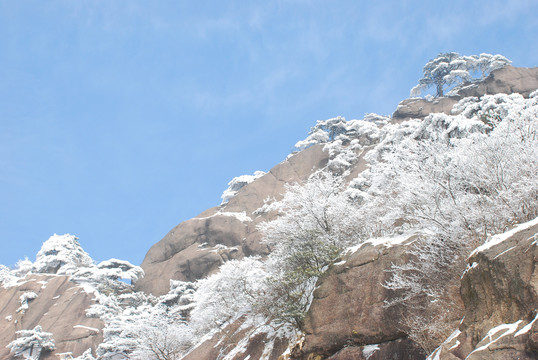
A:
{"x": 398, "y": 237}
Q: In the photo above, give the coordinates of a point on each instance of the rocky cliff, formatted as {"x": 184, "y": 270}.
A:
{"x": 348, "y": 316}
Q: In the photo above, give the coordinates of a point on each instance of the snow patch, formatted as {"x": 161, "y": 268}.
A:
{"x": 497, "y": 239}
{"x": 507, "y": 330}
{"x": 25, "y": 299}
{"x": 469, "y": 267}
{"x": 505, "y": 251}
{"x": 383, "y": 241}
{"x": 369, "y": 350}
{"x": 527, "y": 327}
{"x": 237, "y": 183}
{"x": 241, "y": 216}
{"x": 86, "y": 327}
{"x": 437, "y": 352}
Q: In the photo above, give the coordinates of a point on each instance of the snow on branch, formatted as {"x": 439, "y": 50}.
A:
{"x": 31, "y": 343}
{"x": 451, "y": 68}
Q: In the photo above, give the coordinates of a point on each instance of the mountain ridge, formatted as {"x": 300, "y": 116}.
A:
{"x": 347, "y": 315}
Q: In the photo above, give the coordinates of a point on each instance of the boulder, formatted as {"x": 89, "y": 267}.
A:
{"x": 500, "y": 293}
{"x": 506, "y": 80}
{"x": 348, "y": 308}
{"x": 418, "y": 108}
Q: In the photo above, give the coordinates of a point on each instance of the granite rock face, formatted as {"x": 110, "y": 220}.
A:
{"x": 60, "y": 308}
{"x": 348, "y": 318}
{"x": 500, "y": 293}
{"x": 348, "y": 315}
{"x": 197, "y": 247}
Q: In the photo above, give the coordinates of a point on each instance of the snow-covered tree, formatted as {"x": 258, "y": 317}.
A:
{"x": 451, "y": 68}
{"x": 317, "y": 222}
{"x": 115, "y": 269}
{"x": 6, "y": 275}
{"x": 455, "y": 180}
{"x": 228, "y": 294}
{"x": 486, "y": 63}
{"x": 364, "y": 131}
{"x": 31, "y": 343}
{"x": 162, "y": 340}
{"x": 141, "y": 326}
{"x": 61, "y": 254}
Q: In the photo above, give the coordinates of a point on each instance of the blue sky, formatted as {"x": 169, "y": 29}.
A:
{"x": 120, "y": 119}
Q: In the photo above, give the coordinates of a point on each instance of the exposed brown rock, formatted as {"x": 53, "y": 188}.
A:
{"x": 500, "y": 287}
{"x": 226, "y": 340}
{"x": 400, "y": 349}
{"x": 179, "y": 255}
{"x": 348, "y": 306}
{"x": 416, "y": 108}
{"x": 507, "y": 80}
{"x": 60, "y": 308}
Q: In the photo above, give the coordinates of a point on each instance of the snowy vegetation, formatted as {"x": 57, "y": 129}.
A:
{"x": 449, "y": 69}
{"x": 453, "y": 181}
{"x": 31, "y": 343}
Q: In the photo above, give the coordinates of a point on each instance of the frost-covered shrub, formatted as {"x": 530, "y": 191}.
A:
{"x": 141, "y": 326}
{"x": 228, "y": 294}
{"x": 425, "y": 286}
{"x": 317, "y": 222}
{"x": 61, "y": 254}
{"x": 6, "y": 275}
{"x": 31, "y": 343}
{"x": 457, "y": 180}
{"x": 237, "y": 183}
{"x": 365, "y": 131}
{"x": 162, "y": 340}
{"x": 22, "y": 268}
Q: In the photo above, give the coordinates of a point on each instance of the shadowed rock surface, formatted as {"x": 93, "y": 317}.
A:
{"x": 348, "y": 306}
{"x": 500, "y": 293}
{"x": 60, "y": 308}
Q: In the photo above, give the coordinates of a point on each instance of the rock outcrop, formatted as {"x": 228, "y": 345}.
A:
{"x": 60, "y": 308}
{"x": 507, "y": 80}
{"x": 500, "y": 293}
{"x": 197, "y": 247}
{"x": 348, "y": 308}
